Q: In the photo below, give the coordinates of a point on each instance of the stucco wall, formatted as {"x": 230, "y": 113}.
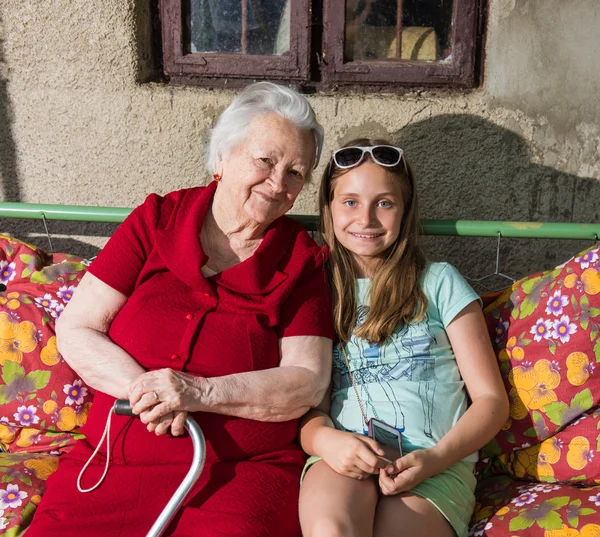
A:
{"x": 79, "y": 126}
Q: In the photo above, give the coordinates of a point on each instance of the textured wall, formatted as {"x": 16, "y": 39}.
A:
{"x": 79, "y": 126}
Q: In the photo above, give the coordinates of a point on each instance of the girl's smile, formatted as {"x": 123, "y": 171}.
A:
{"x": 367, "y": 210}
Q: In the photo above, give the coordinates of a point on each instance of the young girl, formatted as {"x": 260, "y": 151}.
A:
{"x": 412, "y": 343}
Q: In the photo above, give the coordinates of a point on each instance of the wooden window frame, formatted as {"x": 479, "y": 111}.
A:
{"x": 329, "y": 71}
{"x": 460, "y": 72}
{"x": 293, "y": 65}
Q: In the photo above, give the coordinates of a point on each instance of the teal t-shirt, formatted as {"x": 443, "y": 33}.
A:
{"x": 411, "y": 382}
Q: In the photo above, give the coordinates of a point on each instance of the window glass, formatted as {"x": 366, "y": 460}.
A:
{"x": 238, "y": 26}
{"x": 373, "y": 29}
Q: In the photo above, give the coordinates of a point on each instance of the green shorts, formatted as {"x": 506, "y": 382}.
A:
{"x": 452, "y": 493}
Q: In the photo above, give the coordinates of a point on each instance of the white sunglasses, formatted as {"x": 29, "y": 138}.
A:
{"x": 384, "y": 155}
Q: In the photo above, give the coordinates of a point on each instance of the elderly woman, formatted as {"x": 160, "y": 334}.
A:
{"x": 207, "y": 300}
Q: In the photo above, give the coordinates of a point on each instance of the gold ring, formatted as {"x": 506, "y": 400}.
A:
{"x": 156, "y": 396}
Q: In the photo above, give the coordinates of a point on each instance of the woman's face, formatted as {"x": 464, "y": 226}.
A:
{"x": 265, "y": 172}
{"x": 367, "y": 209}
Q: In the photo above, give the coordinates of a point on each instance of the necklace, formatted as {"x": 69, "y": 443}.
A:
{"x": 362, "y": 409}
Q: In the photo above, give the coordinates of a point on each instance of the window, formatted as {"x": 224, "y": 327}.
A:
{"x": 323, "y": 43}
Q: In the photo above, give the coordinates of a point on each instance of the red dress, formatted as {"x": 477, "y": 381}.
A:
{"x": 176, "y": 318}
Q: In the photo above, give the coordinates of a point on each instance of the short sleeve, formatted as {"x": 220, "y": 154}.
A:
{"x": 452, "y": 294}
{"x": 307, "y": 310}
{"x": 120, "y": 262}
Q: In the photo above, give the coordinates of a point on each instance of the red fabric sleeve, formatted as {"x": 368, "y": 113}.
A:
{"x": 120, "y": 262}
{"x": 307, "y": 311}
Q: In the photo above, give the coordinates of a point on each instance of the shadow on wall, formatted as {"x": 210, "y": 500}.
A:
{"x": 470, "y": 168}
{"x": 8, "y": 155}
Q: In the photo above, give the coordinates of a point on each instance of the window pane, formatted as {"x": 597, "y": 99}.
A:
{"x": 238, "y": 26}
{"x": 373, "y": 29}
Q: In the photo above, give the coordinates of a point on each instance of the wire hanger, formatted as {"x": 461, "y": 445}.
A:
{"x": 496, "y": 273}
{"x": 47, "y": 233}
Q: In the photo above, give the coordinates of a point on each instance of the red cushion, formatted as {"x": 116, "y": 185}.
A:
{"x": 42, "y": 399}
{"x": 545, "y": 330}
{"x": 519, "y": 509}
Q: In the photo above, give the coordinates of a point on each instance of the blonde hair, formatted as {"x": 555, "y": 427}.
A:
{"x": 395, "y": 296}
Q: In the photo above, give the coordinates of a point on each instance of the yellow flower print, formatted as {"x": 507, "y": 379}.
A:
{"x": 579, "y": 453}
{"x": 502, "y": 511}
{"x": 49, "y": 406}
{"x": 525, "y": 461}
{"x": 7, "y": 434}
{"x": 519, "y": 399}
{"x": 36, "y": 499}
{"x": 11, "y": 301}
{"x": 50, "y": 354}
{"x": 578, "y": 368}
{"x": 9, "y": 325}
{"x": 589, "y": 530}
{"x": 81, "y": 414}
{"x": 22, "y": 338}
{"x": 539, "y": 382}
{"x": 512, "y": 350}
{"x": 66, "y": 419}
{"x": 548, "y": 455}
{"x": 42, "y": 468}
{"x": 28, "y": 437}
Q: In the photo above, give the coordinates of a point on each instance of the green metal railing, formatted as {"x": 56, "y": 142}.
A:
{"x": 461, "y": 228}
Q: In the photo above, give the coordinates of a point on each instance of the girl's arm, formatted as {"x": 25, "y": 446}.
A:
{"x": 479, "y": 369}
{"x": 483, "y": 419}
{"x": 349, "y": 454}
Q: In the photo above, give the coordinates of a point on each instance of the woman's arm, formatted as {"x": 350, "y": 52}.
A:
{"x": 278, "y": 394}
{"x": 482, "y": 420}
{"x": 81, "y": 336}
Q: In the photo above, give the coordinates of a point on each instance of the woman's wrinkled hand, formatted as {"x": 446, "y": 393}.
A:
{"x": 350, "y": 454}
{"x": 162, "y": 399}
{"x": 409, "y": 471}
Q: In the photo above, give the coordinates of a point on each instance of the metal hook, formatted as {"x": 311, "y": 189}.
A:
{"x": 47, "y": 233}
{"x": 496, "y": 271}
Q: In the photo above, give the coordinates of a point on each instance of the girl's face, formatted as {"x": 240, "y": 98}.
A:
{"x": 367, "y": 210}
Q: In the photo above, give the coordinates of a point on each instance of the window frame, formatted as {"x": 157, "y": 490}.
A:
{"x": 325, "y": 70}
{"x": 293, "y": 65}
{"x": 460, "y": 72}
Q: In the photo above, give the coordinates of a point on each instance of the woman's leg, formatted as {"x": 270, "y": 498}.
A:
{"x": 406, "y": 515}
{"x": 333, "y": 505}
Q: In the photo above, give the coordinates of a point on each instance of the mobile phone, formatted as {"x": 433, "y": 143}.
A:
{"x": 385, "y": 435}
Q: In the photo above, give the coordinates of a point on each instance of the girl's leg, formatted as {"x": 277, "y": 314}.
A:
{"x": 406, "y": 515}
{"x": 333, "y": 505}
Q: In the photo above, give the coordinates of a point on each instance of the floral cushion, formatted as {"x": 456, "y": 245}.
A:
{"x": 569, "y": 455}
{"x": 514, "y": 508}
{"x": 24, "y": 478}
{"x": 42, "y": 400}
{"x": 546, "y": 330}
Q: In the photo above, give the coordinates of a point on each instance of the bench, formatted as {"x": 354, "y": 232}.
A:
{"x": 540, "y": 474}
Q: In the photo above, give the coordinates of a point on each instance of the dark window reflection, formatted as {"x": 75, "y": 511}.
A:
{"x": 219, "y": 26}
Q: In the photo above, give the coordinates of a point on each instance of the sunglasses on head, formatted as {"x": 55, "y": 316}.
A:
{"x": 384, "y": 155}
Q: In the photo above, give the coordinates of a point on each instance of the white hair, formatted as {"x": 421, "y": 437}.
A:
{"x": 258, "y": 99}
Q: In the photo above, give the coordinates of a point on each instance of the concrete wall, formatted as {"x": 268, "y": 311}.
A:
{"x": 78, "y": 124}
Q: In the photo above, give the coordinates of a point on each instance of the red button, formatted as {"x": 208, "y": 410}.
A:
{"x": 189, "y": 316}
{"x": 175, "y": 357}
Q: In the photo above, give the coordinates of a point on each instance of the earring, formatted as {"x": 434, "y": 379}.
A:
{"x": 217, "y": 177}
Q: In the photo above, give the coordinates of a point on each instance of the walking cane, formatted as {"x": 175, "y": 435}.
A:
{"x": 122, "y": 408}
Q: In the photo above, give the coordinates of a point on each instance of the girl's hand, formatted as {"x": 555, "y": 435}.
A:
{"x": 350, "y": 454}
{"x": 409, "y": 471}
{"x": 162, "y": 399}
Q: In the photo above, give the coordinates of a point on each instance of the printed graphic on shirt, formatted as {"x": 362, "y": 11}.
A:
{"x": 406, "y": 357}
